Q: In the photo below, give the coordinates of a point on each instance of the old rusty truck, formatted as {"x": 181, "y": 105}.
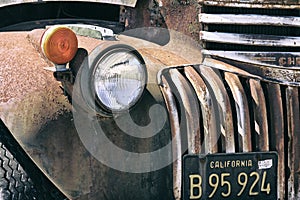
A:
{"x": 150, "y": 99}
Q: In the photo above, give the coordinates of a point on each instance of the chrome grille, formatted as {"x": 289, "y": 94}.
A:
{"x": 232, "y": 111}
{"x": 250, "y": 29}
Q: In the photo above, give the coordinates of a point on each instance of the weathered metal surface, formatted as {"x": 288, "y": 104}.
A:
{"x": 279, "y": 74}
{"x": 260, "y": 116}
{"x": 276, "y": 129}
{"x": 191, "y": 109}
{"x": 293, "y": 125}
{"x": 274, "y": 59}
{"x": 242, "y": 111}
{"x": 238, "y": 19}
{"x": 176, "y": 143}
{"x": 32, "y": 103}
{"x": 25, "y": 84}
{"x": 171, "y": 53}
{"x": 286, "y": 4}
{"x": 264, "y": 124}
{"x": 270, "y": 117}
{"x": 250, "y": 39}
{"x": 130, "y": 3}
{"x": 222, "y": 106}
{"x": 210, "y": 140}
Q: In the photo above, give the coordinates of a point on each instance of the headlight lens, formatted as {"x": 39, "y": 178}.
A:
{"x": 119, "y": 79}
{"x": 59, "y": 44}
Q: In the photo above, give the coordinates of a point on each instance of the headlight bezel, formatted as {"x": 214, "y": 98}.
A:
{"x": 98, "y": 55}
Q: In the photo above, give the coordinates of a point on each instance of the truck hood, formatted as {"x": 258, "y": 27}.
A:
{"x": 130, "y": 3}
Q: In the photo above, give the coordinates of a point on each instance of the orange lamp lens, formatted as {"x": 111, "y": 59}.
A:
{"x": 59, "y": 44}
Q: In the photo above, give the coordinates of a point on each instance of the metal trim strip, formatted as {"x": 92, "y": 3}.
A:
{"x": 284, "y": 60}
{"x": 239, "y": 19}
{"x": 280, "y": 75}
{"x": 250, "y": 39}
{"x": 252, "y": 4}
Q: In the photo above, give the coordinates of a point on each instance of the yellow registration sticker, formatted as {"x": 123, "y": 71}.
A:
{"x": 230, "y": 176}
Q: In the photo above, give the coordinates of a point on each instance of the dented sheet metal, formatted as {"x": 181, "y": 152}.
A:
{"x": 130, "y": 3}
{"x": 239, "y": 19}
{"x": 250, "y": 39}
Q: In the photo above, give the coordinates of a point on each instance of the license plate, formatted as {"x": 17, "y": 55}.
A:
{"x": 230, "y": 176}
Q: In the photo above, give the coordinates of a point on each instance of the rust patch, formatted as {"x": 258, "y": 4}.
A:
{"x": 190, "y": 109}
{"x": 21, "y": 67}
{"x": 176, "y": 142}
{"x": 222, "y": 107}
{"x": 29, "y": 96}
{"x": 165, "y": 57}
{"x": 209, "y": 144}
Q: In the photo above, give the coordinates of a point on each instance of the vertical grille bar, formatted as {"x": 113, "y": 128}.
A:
{"x": 276, "y": 129}
{"x": 292, "y": 98}
{"x": 260, "y": 116}
{"x": 176, "y": 138}
{"x": 191, "y": 109}
{"x": 242, "y": 111}
{"x": 185, "y": 120}
{"x": 209, "y": 126}
{"x": 223, "y": 106}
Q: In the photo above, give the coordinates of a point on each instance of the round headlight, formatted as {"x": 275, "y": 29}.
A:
{"x": 119, "y": 78}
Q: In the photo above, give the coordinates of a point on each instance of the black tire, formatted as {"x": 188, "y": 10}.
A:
{"x": 14, "y": 181}
{"x": 20, "y": 178}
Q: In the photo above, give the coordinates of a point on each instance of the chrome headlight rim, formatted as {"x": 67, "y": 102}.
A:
{"x": 106, "y": 51}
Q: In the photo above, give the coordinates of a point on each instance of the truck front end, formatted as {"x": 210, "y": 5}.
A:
{"x": 241, "y": 104}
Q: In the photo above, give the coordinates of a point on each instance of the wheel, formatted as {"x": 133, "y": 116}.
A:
{"x": 14, "y": 181}
{"x": 20, "y": 178}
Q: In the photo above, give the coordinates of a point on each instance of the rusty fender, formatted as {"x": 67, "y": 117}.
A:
{"x": 38, "y": 114}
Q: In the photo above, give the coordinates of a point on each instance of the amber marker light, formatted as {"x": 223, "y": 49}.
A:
{"x": 59, "y": 44}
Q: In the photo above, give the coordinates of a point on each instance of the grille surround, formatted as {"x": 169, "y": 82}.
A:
{"x": 260, "y": 115}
